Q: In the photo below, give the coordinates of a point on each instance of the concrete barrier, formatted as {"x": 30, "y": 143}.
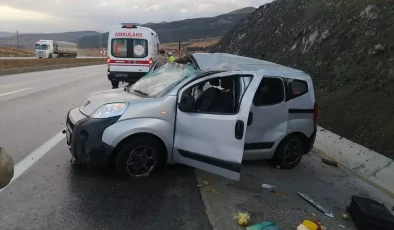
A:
{"x": 371, "y": 166}
{"x": 49, "y": 67}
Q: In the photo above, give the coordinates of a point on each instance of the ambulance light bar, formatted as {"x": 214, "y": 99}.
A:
{"x": 130, "y": 25}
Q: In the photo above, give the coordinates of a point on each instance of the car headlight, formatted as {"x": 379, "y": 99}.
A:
{"x": 110, "y": 110}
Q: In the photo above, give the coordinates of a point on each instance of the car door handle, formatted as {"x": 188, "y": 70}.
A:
{"x": 250, "y": 118}
{"x": 239, "y": 129}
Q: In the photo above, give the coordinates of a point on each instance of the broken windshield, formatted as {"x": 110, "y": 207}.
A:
{"x": 162, "y": 80}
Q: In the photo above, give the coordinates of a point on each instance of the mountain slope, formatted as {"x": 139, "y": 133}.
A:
{"x": 183, "y": 30}
{"x": 5, "y": 34}
{"x": 29, "y": 40}
{"x": 246, "y": 10}
{"x": 348, "y": 49}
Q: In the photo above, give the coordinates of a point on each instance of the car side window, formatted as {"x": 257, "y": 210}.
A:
{"x": 215, "y": 96}
{"x": 270, "y": 92}
{"x": 297, "y": 88}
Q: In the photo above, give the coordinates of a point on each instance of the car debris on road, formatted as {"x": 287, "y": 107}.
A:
{"x": 267, "y": 186}
{"x": 329, "y": 162}
{"x": 318, "y": 206}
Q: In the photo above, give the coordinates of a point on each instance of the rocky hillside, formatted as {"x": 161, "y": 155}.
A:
{"x": 183, "y": 30}
{"x": 347, "y": 46}
{"x": 246, "y": 10}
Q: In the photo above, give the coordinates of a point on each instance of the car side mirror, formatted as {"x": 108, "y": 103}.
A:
{"x": 187, "y": 103}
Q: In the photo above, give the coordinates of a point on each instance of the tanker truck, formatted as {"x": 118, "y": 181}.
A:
{"x": 56, "y": 49}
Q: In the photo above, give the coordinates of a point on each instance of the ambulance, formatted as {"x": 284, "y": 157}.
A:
{"x": 132, "y": 50}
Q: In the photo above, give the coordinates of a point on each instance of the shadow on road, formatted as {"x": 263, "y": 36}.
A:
{"x": 167, "y": 199}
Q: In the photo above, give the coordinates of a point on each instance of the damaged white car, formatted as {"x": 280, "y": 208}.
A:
{"x": 208, "y": 111}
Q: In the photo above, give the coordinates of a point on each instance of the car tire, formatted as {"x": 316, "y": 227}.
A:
{"x": 139, "y": 157}
{"x": 289, "y": 151}
{"x": 115, "y": 84}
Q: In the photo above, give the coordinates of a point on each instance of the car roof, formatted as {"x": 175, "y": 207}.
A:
{"x": 231, "y": 62}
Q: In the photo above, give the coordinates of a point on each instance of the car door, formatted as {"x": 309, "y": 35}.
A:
{"x": 269, "y": 116}
{"x": 214, "y": 142}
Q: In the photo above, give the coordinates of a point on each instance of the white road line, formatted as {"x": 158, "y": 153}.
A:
{"x": 23, "y": 165}
{"x": 16, "y": 91}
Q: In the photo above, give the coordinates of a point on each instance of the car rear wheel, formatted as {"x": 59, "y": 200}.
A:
{"x": 289, "y": 152}
{"x": 139, "y": 157}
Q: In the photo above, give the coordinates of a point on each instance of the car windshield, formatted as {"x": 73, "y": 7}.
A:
{"x": 41, "y": 47}
{"x": 162, "y": 80}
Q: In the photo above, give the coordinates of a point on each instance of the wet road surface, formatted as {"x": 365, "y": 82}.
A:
{"x": 33, "y": 106}
{"x": 329, "y": 186}
{"x": 52, "y": 194}
{"x": 55, "y": 195}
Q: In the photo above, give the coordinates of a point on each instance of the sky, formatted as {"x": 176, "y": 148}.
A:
{"x": 39, "y": 16}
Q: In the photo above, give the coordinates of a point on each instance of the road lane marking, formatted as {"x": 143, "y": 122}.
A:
{"x": 16, "y": 91}
{"x": 23, "y": 165}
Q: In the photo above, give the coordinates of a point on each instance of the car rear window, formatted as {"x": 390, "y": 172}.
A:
{"x": 129, "y": 48}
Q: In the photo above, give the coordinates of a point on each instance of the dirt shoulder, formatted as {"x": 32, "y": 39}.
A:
{"x": 13, "y": 66}
{"x": 329, "y": 186}
{"x": 22, "y": 63}
{"x": 6, "y": 51}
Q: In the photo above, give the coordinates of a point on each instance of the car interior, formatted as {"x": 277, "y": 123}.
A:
{"x": 269, "y": 92}
{"x": 217, "y": 95}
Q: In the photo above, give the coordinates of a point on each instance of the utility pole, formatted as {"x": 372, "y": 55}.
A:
{"x": 179, "y": 48}
{"x": 17, "y": 38}
{"x": 100, "y": 42}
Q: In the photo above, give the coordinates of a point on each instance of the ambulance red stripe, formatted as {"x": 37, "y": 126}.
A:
{"x": 129, "y": 62}
{"x": 128, "y": 65}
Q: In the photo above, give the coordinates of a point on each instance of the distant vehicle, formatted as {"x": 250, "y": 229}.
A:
{"x": 56, "y": 49}
{"x": 208, "y": 111}
{"x": 132, "y": 50}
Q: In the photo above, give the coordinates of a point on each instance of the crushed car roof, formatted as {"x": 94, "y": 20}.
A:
{"x": 230, "y": 62}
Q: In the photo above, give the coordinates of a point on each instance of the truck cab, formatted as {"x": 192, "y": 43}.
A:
{"x": 44, "y": 49}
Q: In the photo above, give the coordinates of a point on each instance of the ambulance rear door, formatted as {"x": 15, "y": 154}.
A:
{"x": 129, "y": 50}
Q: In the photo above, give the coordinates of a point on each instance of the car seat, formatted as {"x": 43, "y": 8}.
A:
{"x": 225, "y": 103}
{"x": 203, "y": 103}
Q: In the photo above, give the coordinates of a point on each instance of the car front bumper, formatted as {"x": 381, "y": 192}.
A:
{"x": 84, "y": 136}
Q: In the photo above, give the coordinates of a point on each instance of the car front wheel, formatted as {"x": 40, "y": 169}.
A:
{"x": 139, "y": 157}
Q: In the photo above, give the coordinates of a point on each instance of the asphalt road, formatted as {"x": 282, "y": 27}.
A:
{"x": 52, "y": 194}
{"x": 329, "y": 186}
